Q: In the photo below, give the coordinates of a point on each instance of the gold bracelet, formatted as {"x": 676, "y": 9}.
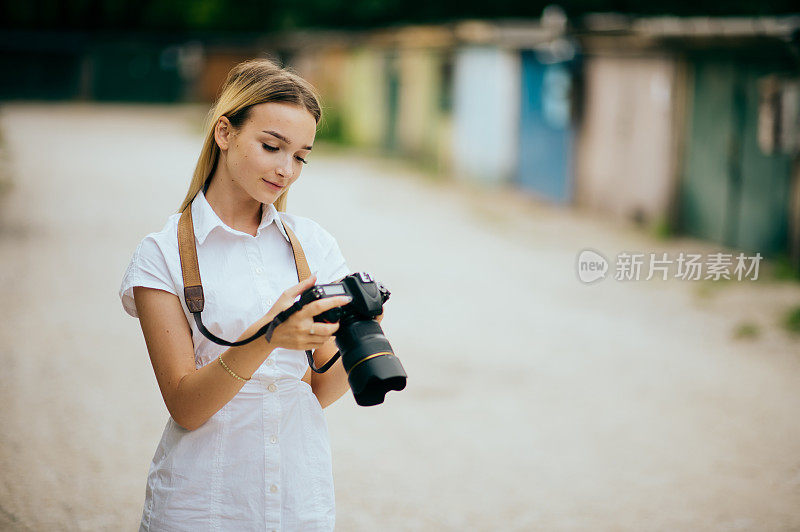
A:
{"x": 229, "y": 370}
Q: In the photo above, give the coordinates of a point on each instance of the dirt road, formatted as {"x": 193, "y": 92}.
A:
{"x": 534, "y": 402}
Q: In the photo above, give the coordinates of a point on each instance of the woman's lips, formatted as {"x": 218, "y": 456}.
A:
{"x": 272, "y": 185}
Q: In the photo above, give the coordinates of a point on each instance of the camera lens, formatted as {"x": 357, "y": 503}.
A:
{"x": 372, "y": 368}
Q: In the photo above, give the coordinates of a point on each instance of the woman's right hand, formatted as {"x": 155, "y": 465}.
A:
{"x": 300, "y": 331}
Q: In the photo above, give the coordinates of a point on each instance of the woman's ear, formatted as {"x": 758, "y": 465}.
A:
{"x": 222, "y": 132}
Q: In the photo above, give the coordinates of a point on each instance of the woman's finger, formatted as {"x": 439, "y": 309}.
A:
{"x": 320, "y": 306}
{"x": 323, "y": 330}
{"x": 294, "y": 291}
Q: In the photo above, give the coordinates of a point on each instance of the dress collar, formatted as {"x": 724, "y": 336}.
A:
{"x": 206, "y": 220}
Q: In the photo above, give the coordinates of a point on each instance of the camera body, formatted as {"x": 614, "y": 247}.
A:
{"x": 371, "y": 365}
{"x": 368, "y": 297}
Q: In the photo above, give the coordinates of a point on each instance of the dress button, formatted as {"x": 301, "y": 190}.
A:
{"x": 270, "y": 362}
{"x": 273, "y": 488}
{"x": 272, "y": 387}
{"x": 259, "y": 270}
{"x": 273, "y": 439}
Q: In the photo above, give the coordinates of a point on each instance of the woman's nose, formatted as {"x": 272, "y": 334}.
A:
{"x": 284, "y": 169}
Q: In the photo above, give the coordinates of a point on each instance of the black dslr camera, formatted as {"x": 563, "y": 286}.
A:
{"x": 372, "y": 368}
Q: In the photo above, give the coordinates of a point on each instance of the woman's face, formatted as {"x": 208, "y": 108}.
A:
{"x": 266, "y": 154}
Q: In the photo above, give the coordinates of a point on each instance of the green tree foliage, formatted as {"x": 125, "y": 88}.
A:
{"x": 266, "y": 15}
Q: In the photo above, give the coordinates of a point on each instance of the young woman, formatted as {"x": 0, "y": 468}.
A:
{"x": 246, "y": 446}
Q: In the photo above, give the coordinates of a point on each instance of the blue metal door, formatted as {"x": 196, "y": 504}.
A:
{"x": 545, "y": 132}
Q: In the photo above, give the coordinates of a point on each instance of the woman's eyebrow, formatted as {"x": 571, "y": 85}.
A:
{"x": 284, "y": 139}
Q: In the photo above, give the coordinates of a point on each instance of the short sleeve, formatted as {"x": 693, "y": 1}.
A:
{"x": 334, "y": 266}
{"x": 148, "y": 268}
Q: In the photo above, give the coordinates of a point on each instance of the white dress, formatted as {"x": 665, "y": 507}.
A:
{"x": 263, "y": 462}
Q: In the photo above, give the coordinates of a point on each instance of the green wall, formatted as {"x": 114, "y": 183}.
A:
{"x": 732, "y": 193}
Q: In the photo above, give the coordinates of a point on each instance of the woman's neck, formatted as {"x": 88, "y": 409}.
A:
{"x": 235, "y": 207}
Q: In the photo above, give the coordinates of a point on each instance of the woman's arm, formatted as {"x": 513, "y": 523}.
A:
{"x": 331, "y": 385}
{"x": 193, "y": 395}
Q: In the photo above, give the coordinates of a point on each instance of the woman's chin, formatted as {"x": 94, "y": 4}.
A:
{"x": 266, "y": 197}
{"x": 268, "y": 192}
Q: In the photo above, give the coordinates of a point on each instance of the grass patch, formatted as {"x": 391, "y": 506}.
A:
{"x": 791, "y": 320}
{"x": 706, "y": 288}
{"x": 746, "y": 331}
{"x": 661, "y": 230}
{"x": 782, "y": 269}
{"x": 5, "y": 167}
{"x": 331, "y": 127}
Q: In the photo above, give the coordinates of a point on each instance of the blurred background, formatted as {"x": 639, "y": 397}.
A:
{"x": 468, "y": 152}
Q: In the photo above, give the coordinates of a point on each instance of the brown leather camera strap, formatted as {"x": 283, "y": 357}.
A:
{"x": 300, "y": 262}
{"x": 190, "y": 269}
{"x": 187, "y": 248}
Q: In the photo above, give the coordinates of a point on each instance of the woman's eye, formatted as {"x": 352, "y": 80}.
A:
{"x": 300, "y": 159}
{"x": 270, "y": 148}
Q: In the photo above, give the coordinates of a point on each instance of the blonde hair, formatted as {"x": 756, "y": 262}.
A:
{"x": 249, "y": 83}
